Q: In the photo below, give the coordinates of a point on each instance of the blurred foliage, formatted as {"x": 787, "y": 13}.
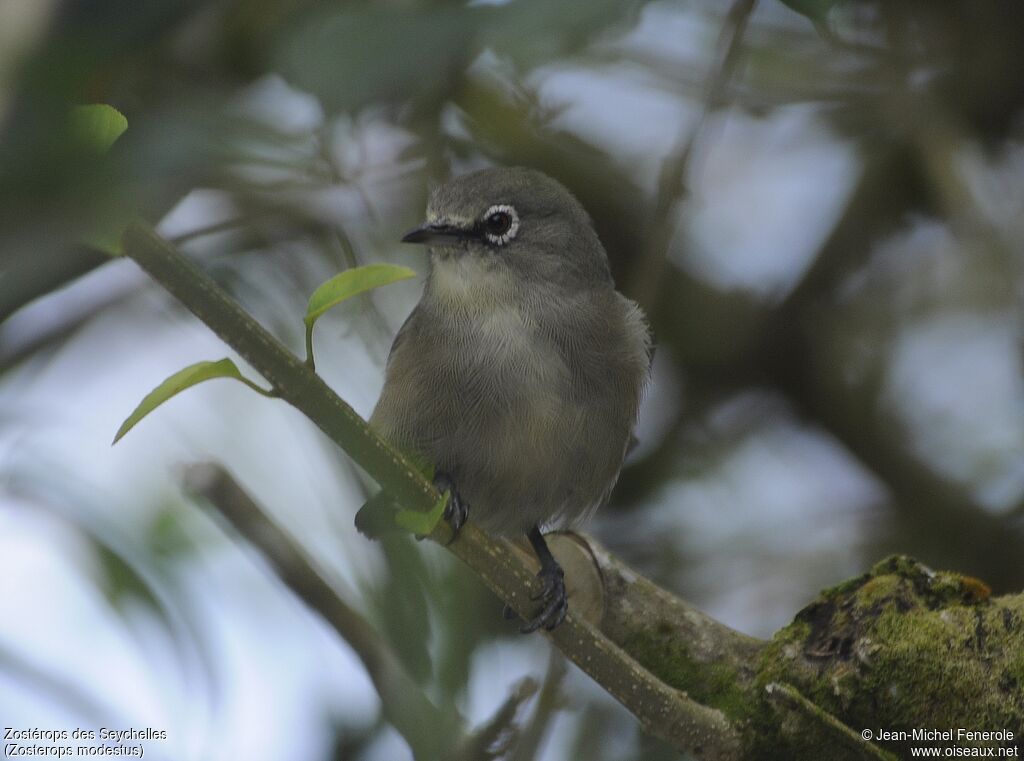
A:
{"x": 281, "y": 142}
{"x": 97, "y": 126}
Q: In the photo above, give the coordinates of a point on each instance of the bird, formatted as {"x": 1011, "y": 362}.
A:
{"x": 520, "y": 372}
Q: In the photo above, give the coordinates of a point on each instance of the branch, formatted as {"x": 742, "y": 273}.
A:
{"x": 497, "y": 735}
{"x": 430, "y": 732}
{"x": 788, "y": 698}
{"x": 663, "y": 711}
{"x": 681, "y": 645}
{"x": 290, "y": 378}
{"x": 896, "y": 648}
{"x": 549, "y": 700}
{"x": 672, "y": 178}
{"x": 798, "y": 358}
{"x": 901, "y": 646}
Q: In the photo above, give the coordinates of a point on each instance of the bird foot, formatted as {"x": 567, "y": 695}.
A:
{"x": 457, "y": 510}
{"x": 553, "y": 597}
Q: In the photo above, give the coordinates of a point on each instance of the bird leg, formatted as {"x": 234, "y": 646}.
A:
{"x": 457, "y": 510}
{"x": 552, "y": 592}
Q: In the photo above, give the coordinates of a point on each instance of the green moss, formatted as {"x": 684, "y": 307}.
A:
{"x": 903, "y": 566}
{"x": 877, "y": 592}
{"x": 714, "y": 684}
{"x": 899, "y": 648}
{"x": 1015, "y": 672}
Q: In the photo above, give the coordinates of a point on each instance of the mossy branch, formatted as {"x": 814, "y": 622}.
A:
{"x": 900, "y": 647}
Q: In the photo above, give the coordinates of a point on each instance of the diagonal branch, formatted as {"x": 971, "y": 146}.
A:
{"x": 498, "y": 734}
{"x": 689, "y": 680}
{"x": 672, "y": 178}
{"x": 289, "y": 376}
{"x": 787, "y": 697}
{"x": 431, "y": 732}
{"x": 663, "y": 711}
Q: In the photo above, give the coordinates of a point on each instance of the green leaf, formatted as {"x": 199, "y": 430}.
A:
{"x": 121, "y": 581}
{"x": 351, "y": 282}
{"x": 95, "y": 127}
{"x": 376, "y": 517}
{"x": 181, "y": 380}
{"x": 92, "y": 129}
{"x": 344, "y": 286}
{"x": 107, "y": 231}
{"x": 419, "y": 523}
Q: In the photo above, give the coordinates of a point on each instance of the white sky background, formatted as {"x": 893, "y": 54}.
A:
{"x": 781, "y": 515}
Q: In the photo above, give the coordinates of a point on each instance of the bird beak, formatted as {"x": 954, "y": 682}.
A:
{"x": 435, "y": 233}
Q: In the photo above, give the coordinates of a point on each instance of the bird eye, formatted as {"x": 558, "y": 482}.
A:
{"x": 500, "y": 224}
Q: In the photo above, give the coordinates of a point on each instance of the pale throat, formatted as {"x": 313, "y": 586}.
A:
{"x": 482, "y": 307}
{"x": 464, "y": 282}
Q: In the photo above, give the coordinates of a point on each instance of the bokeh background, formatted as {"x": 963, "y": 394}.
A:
{"x": 819, "y": 204}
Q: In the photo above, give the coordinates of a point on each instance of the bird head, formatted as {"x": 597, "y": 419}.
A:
{"x": 508, "y": 228}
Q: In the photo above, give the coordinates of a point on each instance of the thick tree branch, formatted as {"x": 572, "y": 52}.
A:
{"x": 664, "y": 711}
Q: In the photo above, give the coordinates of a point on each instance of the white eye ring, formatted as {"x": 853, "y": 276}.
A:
{"x": 500, "y": 224}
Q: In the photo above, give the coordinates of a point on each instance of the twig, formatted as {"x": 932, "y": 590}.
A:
{"x": 672, "y": 179}
{"x": 212, "y": 229}
{"x": 429, "y": 731}
{"x": 549, "y": 700}
{"x": 494, "y": 737}
{"x": 337, "y": 236}
{"x": 787, "y": 697}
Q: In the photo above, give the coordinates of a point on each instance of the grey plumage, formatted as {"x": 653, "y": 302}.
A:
{"x": 519, "y": 373}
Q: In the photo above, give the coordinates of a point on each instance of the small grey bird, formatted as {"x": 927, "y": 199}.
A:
{"x": 519, "y": 373}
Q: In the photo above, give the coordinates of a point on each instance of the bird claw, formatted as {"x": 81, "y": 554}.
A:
{"x": 554, "y": 598}
{"x": 456, "y": 511}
